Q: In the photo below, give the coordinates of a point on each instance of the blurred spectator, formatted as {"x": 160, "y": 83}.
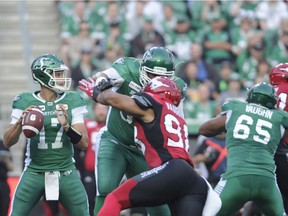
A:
{"x": 235, "y": 91}
{"x": 71, "y": 52}
{"x": 134, "y": 19}
{"x": 147, "y": 38}
{"x": 154, "y": 9}
{"x": 196, "y": 112}
{"x": 115, "y": 39}
{"x": 169, "y": 22}
{"x": 182, "y": 38}
{"x": 97, "y": 24}
{"x": 6, "y": 165}
{"x": 188, "y": 73}
{"x": 248, "y": 60}
{"x": 222, "y": 84}
{"x": 179, "y": 7}
{"x": 70, "y": 24}
{"x": 271, "y": 37}
{"x": 114, "y": 15}
{"x": 263, "y": 70}
{"x": 242, "y": 8}
{"x": 107, "y": 14}
{"x": 211, "y": 9}
{"x": 195, "y": 11}
{"x": 84, "y": 68}
{"x": 213, "y": 153}
{"x": 279, "y": 52}
{"x": 241, "y": 34}
{"x": 270, "y": 13}
{"x": 111, "y": 55}
{"x": 196, "y": 54}
{"x": 93, "y": 127}
{"x": 217, "y": 47}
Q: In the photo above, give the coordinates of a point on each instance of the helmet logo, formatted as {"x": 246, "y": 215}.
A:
{"x": 147, "y": 56}
{"x": 155, "y": 84}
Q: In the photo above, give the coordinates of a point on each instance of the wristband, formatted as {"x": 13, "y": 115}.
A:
{"x": 66, "y": 126}
{"x": 74, "y": 135}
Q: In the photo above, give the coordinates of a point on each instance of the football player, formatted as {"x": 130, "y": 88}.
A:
{"x": 117, "y": 154}
{"x": 253, "y": 131}
{"x": 49, "y": 166}
{"x": 162, "y": 134}
{"x": 279, "y": 80}
{"x": 93, "y": 127}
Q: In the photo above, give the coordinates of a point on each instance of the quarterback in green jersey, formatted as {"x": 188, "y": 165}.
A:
{"x": 49, "y": 166}
{"x": 253, "y": 131}
{"x": 117, "y": 154}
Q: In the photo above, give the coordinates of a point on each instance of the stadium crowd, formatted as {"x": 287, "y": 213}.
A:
{"x": 225, "y": 45}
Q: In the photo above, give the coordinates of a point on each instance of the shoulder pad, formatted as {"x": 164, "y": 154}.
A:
{"x": 142, "y": 100}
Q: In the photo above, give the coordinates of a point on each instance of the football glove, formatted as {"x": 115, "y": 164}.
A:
{"x": 92, "y": 88}
{"x": 103, "y": 85}
{"x": 87, "y": 86}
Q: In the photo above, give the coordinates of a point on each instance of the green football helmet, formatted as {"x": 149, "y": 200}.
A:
{"x": 158, "y": 61}
{"x": 263, "y": 94}
{"x": 50, "y": 71}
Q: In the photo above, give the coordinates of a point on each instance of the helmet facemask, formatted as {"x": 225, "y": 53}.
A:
{"x": 157, "y": 71}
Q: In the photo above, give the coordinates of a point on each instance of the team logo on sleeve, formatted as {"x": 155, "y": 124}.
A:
{"x": 119, "y": 61}
{"x": 17, "y": 97}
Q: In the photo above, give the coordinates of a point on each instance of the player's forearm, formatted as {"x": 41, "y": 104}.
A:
{"x": 12, "y": 134}
{"x": 114, "y": 99}
{"x": 77, "y": 134}
{"x": 121, "y": 102}
{"x": 213, "y": 127}
{"x": 83, "y": 144}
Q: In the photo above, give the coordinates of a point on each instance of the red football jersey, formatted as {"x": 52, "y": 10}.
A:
{"x": 282, "y": 93}
{"x": 166, "y": 137}
{"x": 92, "y": 129}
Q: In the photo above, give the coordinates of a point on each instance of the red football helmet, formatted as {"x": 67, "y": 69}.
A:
{"x": 279, "y": 74}
{"x": 164, "y": 87}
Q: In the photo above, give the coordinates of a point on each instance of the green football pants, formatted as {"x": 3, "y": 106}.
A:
{"x": 31, "y": 188}
{"x": 263, "y": 191}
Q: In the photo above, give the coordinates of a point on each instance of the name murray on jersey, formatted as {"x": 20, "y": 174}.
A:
{"x": 259, "y": 111}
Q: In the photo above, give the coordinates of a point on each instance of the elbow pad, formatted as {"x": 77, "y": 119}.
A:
{"x": 142, "y": 101}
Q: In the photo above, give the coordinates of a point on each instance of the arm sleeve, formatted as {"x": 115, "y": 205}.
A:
{"x": 112, "y": 74}
{"x": 142, "y": 100}
{"x": 15, "y": 115}
{"x": 78, "y": 115}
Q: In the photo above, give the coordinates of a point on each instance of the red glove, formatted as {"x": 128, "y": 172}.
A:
{"x": 92, "y": 88}
{"x": 87, "y": 86}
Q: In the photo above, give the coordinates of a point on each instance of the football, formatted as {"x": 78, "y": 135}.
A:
{"x": 33, "y": 122}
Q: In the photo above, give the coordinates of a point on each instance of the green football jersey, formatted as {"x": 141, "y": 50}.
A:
{"x": 119, "y": 124}
{"x": 253, "y": 133}
{"x": 51, "y": 149}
